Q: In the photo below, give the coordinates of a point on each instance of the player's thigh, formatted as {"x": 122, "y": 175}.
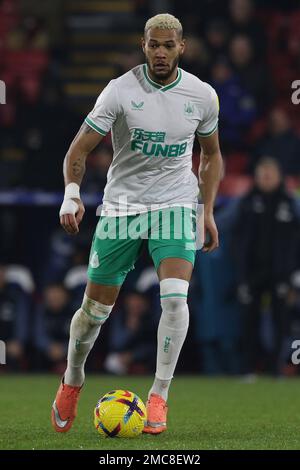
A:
{"x": 113, "y": 253}
{"x": 175, "y": 267}
{"x": 102, "y": 293}
{"x": 173, "y": 247}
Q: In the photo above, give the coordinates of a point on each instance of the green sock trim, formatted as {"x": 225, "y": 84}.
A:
{"x": 94, "y": 317}
{"x": 173, "y": 295}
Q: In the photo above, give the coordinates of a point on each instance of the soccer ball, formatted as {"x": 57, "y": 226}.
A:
{"x": 120, "y": 413}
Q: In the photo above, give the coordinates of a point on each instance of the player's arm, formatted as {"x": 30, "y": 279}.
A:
{"x": 72, "y": 208}
{"x": 210, "y": 173}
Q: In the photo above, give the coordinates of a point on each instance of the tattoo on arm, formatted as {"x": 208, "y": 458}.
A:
{"x": 82, "y": 145}
{"x": 78, "y": 167}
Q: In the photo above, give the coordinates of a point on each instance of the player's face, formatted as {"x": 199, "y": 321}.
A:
{"x": 267, "y": 177}
{"x": 162, "y": 48}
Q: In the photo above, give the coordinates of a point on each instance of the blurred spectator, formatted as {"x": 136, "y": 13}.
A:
{"x": 238, "y": 108}
{"x": 52, "y": 327}
{"x": 195, "y": 15}
{"x": 243, "y": 21}
{"x": 195, "y": 59}
{"x": 214, "y": 304}
{"x": 75, "y": 281}
{"x": 294, "y": 38}
{"x": 12, "y": 155}
{"x": 217, "y": 34}
{"x": 254, "y": 75}
{"x": 61, "y": 249}
{"x": 29, "y": 34}
{"x": 132, "y": 337}
{"x": 24, "y": 61}
{"x": 49, "y": 14}
{"x": 14, "y": 319}
{"x": 65, "y": 252}
{"x": 48, "y": 130}
{"x": 265, "y": 246}
{"x": 281, "y": 143}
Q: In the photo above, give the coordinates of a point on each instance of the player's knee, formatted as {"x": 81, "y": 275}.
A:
{"x": 95, "y": 312}
{"x": 173, "y": 294}
{"x": 173, "y": 305}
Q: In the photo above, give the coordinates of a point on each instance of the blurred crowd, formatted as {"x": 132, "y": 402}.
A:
{"x": 245, "y": 297}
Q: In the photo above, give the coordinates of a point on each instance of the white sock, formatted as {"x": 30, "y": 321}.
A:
{"x": 160, "y": 387}
{"x": 84, "y": 330}
{"x": 82, "y": 338}
{"x": 171, "y": 333}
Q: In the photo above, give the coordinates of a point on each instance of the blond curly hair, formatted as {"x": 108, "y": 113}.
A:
{"x": 164, "y": 21}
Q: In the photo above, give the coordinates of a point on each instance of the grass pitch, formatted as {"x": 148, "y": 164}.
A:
{"x": 204, "y": 413}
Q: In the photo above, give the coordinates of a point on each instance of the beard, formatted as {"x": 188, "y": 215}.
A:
{"x": 164, "y": 75}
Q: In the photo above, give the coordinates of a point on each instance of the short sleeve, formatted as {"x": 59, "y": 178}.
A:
{"x": 210, "y": 120}
{"x": 105, "y": 111}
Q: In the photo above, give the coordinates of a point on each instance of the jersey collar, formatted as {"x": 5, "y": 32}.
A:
{"x": 157, "y": 85}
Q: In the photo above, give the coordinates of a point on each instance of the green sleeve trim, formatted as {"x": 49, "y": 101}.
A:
{"x": 93, "y": 126}
{"x": 207, "y": 134}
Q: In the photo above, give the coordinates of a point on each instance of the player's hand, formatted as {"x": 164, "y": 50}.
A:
{"x": 211, "y": 233}
{"x": 71, "y": 214}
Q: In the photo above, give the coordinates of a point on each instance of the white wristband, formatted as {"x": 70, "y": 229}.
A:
{"x": 72, "y": 190}
{"x": 68, "y": 207}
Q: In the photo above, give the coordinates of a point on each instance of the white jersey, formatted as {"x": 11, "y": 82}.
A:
{"x": 153, "y": 131}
